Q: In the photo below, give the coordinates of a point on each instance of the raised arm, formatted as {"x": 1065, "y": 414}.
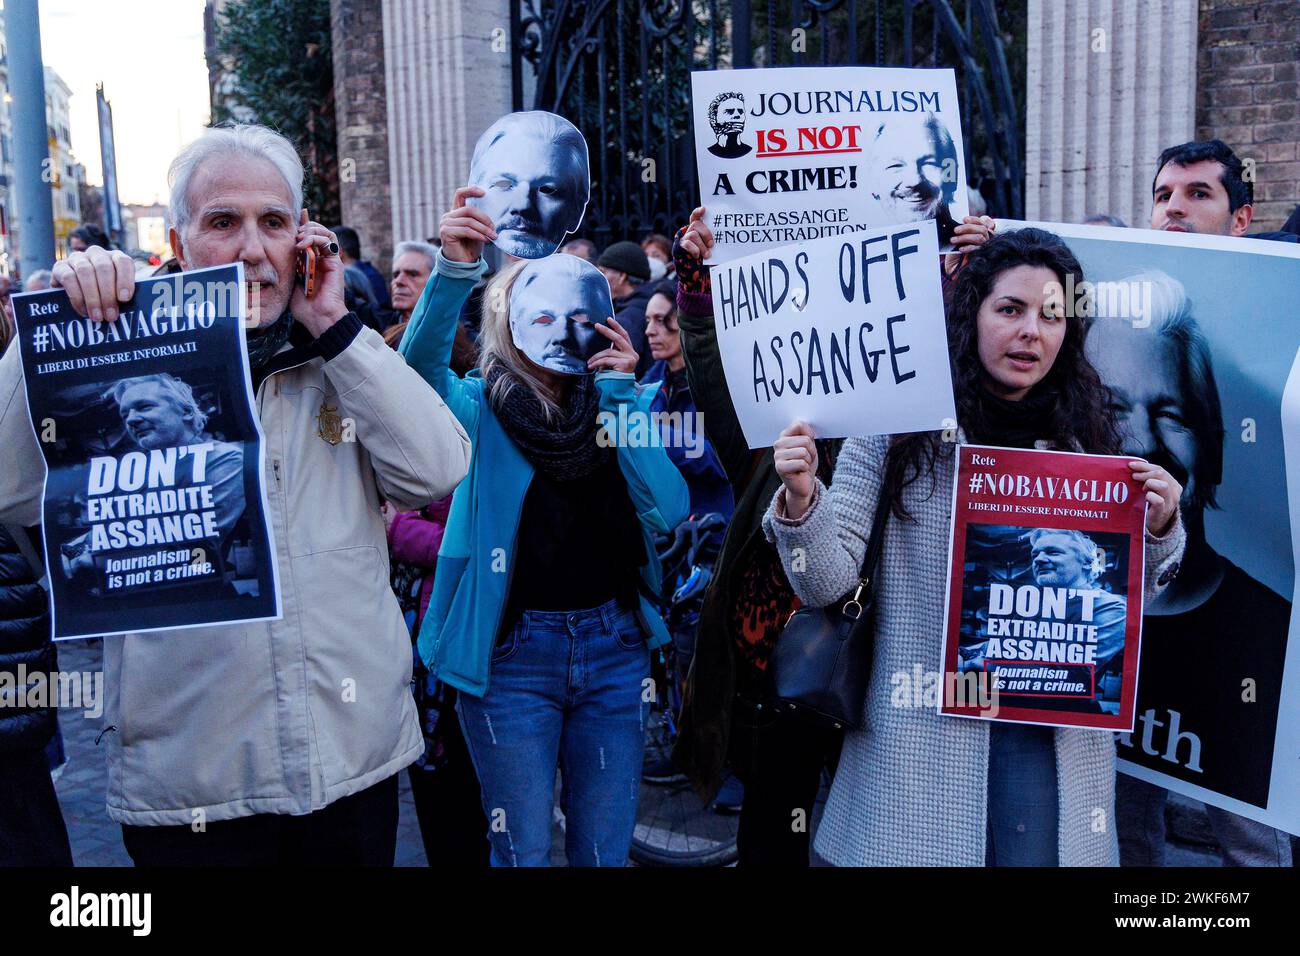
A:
{"x": 427, "y": 344}
{"x": 656, "y": 487}
{"x": 694, "y": 244}
{"x": 822, "y": 548}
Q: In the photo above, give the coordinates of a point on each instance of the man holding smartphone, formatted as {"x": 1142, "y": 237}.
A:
{"x": 275, "y": 742}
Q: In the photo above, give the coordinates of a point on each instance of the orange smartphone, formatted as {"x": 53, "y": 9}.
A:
{"x": 307, "y": 270}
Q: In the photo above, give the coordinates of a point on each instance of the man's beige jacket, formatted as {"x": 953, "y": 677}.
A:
{"x": 284, "y": 716}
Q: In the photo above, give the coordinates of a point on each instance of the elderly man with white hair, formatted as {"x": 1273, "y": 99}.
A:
{"x": 278, "y": 741}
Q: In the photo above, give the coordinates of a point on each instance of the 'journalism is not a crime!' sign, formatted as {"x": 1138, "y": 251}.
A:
{"x": 154, "y": 506}
{"x": 795, "y": 154}
{"x": 1046, "y": 570}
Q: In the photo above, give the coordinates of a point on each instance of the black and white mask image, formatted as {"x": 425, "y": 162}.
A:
{"x": 911, "y": 174}
{"x": 555, "y": 305}
{"x": 533, "y": 168}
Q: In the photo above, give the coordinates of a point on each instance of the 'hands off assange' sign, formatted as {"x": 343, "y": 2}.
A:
{"x": 845, "y": 333}
{"x": 790, "y": 155}
{"x": 154, "y": 503}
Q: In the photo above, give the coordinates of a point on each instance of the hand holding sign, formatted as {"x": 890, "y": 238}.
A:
{"x": 698, "y": 239}
{"x": 1163, "y": 494}
{"x": 96, "y": 280}
{"x": 973, "y": 232}
{"x": 464, "y": 229}
{"x": 795, "y": 457}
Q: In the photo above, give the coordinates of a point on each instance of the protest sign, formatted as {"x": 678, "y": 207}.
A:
{"x": 1192, "y": 335}
{"x": 154, "y": 508}
{"x": 793, "y": 154}
{"x": 1044, "y": 604}
{"x": 845, "y": 333}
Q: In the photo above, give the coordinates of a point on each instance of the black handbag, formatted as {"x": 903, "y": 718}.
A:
{"x": 822, "y": 661}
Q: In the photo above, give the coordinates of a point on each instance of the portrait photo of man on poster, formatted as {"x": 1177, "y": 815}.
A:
{"x": 912, "y": 171}
{"x": 1085, "y": 570}
{"x": 160, "y": 411}
{"x": 534, "y": 172}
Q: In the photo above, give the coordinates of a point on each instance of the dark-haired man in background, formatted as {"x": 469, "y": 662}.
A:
{"x": 350, "y": 254}
{"x": 1202, "y": 187}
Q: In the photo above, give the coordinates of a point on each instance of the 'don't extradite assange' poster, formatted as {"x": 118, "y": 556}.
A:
{"x": 154, "y": 510}
{"x": 1044, "y": 605}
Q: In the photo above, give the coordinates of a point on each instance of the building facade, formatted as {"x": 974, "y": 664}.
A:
{"x": 8, "y": 221}
{"x": 1108, "y": 85}
{"x": 66, "y": 174}
{"x": 1112, "y": 84}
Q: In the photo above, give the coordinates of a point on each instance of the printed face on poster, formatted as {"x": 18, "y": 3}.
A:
{"x": 154, "y": 510}
{"x": 555, "y": 305}
{"x": 1044, "y": 608}
{"x": 845, "y": 333}
{"x": 1187, "y": 332}
{"x": 794, "y": 154}
{"x": 534, "y": 172}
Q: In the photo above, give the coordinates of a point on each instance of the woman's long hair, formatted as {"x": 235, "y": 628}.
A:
{"x": 497, "y": 346}
{"x": 1083, "y": 415}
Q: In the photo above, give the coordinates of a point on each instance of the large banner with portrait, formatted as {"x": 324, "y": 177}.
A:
{"x": 154, "y": 511}
{"x": 1044, "y": 601}
{"x": 1198, "y": 340}
{"x": 791, "y": 154}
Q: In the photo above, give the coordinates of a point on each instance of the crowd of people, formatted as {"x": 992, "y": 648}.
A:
{"x": 481, "y": 562}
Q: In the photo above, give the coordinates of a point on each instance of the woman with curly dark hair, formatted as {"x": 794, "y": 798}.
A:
{"x": 915, "y": 788}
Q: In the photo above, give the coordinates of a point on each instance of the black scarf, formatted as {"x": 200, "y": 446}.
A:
{"x": 564, "y": 447}
{"x": 265, "y": 342}
{"x": 1015, "y": 424}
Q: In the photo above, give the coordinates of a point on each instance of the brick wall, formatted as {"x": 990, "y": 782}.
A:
{"x": 360, "y": 103}
{"x": 1248, "y": 95}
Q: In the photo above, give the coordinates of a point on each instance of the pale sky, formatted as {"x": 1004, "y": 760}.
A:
{"x": 149, "y": 56}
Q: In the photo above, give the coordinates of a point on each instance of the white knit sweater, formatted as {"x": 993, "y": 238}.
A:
{"x": 912, "y": 787}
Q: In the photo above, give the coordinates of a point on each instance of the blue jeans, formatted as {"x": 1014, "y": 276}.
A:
{"x": 1022, "y": 799}
{"x": 566, "y": 689}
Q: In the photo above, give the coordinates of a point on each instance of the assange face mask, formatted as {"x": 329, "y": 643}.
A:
{"x": 555, "y": 305}
{"x": 533, "y": 169}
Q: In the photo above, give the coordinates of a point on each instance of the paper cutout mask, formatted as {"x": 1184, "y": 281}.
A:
{"x": 555, "y": 305}
{"x": 533, "y": 168}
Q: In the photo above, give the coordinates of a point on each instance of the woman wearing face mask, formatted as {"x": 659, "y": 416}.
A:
{"x": 536, "y": 615}
{"x": 915, "y": 788}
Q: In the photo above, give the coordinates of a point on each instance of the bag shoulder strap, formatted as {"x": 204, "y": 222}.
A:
{"x": 876, "y": 543}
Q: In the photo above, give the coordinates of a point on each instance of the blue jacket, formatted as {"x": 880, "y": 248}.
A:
{"x": 476, "y": 560}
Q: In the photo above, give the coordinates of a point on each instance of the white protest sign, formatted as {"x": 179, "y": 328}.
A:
{"x": 846, "y": 333}
{"x": 789, "y": 155}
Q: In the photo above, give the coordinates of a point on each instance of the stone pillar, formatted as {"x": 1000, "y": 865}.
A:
{"x": 361, "y": 114}
{"x": 1109, "y": 84}
{"x": 1248, "y": 96}
{"x": 447, "y": 76}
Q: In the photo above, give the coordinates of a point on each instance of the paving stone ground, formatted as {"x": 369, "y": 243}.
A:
{"x": 97, "y": 841}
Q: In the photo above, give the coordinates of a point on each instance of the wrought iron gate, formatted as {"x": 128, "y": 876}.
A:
{"x": 619, "y": 70}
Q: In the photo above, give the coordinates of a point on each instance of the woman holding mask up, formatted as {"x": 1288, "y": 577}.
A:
{"x": 536, "y": 615}
{"x": 915, "y": 788}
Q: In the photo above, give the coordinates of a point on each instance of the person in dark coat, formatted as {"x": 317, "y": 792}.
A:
{"x": 32, "y": 832}
{"x": 625, "y": 266}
